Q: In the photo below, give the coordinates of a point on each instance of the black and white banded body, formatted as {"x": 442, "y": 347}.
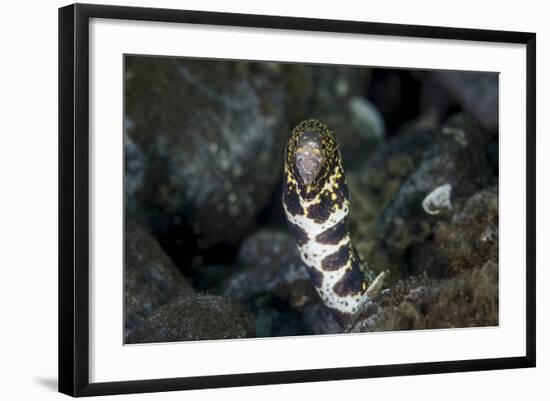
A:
{"x": 316, "y": 203}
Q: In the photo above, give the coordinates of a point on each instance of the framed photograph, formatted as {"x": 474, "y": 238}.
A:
{"x": 251, "y": 199}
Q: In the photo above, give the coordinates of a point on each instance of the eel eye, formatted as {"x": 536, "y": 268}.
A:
{"x": 309, "y": 155}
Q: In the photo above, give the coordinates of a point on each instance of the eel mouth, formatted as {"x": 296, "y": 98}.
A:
{"x": 309, "y": 155}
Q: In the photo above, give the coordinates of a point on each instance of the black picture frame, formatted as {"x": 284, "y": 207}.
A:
{"x": 74, "y": 198}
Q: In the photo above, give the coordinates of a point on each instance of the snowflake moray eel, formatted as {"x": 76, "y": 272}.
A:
{"x": 316, "y": 204}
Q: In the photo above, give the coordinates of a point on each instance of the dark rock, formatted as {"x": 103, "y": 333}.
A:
{"x": 272, "y": 263}
{"x": 276, "y": 286}
{"x": 199, "y": 318}
{"x": 455, "y": 161}
{"x": 269, "y": 249}
{"x": 134, "y": 170}
{"x": 374, "y": 186}
{"x": 376, "y": 183}
{"x": 467, "y": 240}
{"x": 212, "y": 136}
{"x": 467, "y": 300}
{"x": 476, "y": 92}
{"x": 134, "y": 163}
{"x": 150, "y": 277}
{"x": 318, "y": 319}
{"x": 408, "y": 185}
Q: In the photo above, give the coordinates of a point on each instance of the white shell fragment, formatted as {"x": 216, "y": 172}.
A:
{"x": 458, "y": 134}
{"x": 438, "y": 199}
{"x": 376, "y": 286}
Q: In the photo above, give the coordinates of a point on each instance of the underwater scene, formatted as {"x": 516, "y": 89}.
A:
{"x": 267, "y": 199}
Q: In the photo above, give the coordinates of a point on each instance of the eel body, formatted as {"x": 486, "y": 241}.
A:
{"x": 316, "y": 204}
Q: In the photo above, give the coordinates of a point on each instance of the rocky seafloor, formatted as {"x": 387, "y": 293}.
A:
{"x": 207, "y": 251}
